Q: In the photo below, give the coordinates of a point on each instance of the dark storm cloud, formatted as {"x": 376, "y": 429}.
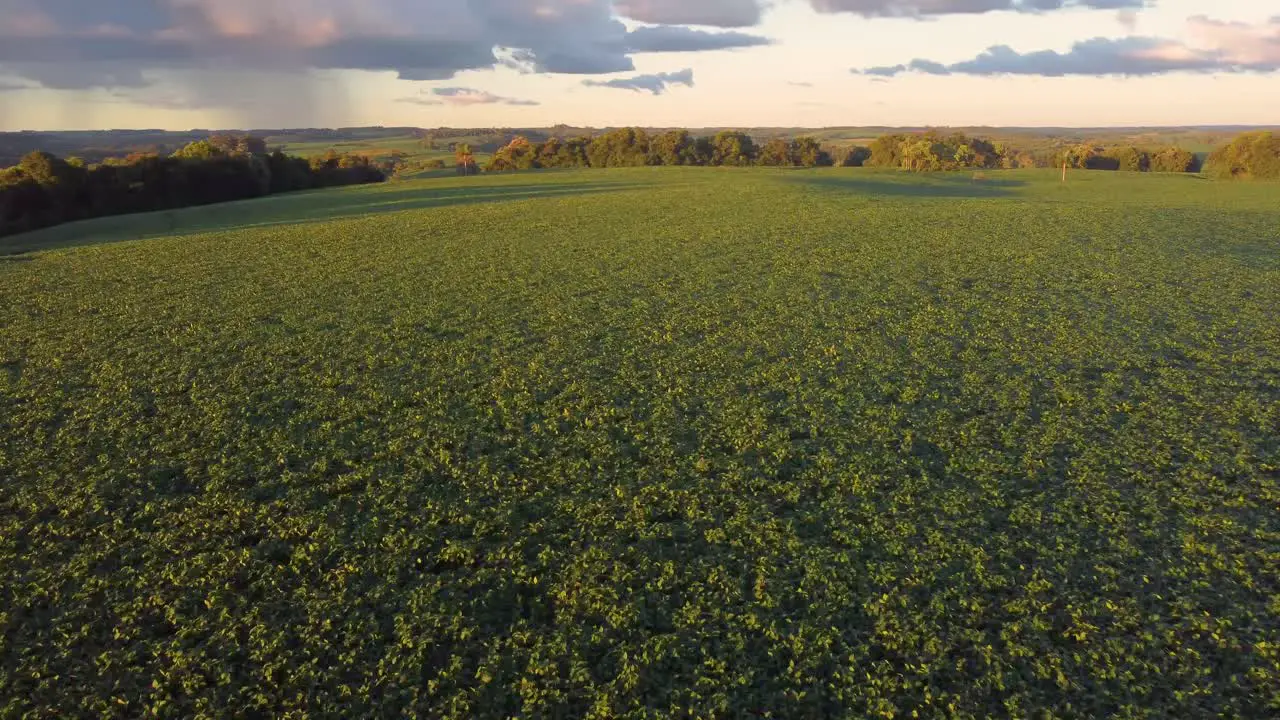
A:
{"x": 72, "y": 44}
{"x": 655, "y": 84}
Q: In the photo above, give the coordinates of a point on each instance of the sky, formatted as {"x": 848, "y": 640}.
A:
{"x": 182, "y": 64}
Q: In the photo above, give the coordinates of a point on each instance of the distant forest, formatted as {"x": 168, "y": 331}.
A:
{"x": 97, "y": 145}
{"x": 921, "y": 152}
{"x": 43, "y": 189}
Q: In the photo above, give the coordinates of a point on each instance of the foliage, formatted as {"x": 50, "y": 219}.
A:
{"x": 519, "y": 154}
{"x": 43, "y": 190}
{"x": 679, "y": 147}
{"x": 465, "y": 160}
{"x": 624, "y": 147}
{"x": 636, "y": 444}
{"x": 1251, "y": 156}
{"x": 635, "y": 147}
{"x": 733, "y": 147}
{"x": 1175, "y": 160}
{"x": 775, "y": 152}
{"x": 932, "y": 151}
{"x": 800, "y": 152}
{"x": 1129, "y": 158}
{"x": 853, "y": 156}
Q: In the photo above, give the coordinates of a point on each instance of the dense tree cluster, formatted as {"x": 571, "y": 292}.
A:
{"x": 43, "y": 189}
{"x": 919, "y": 152}
{"x": 932, "y": 151}
{"x": 1251, "y": 156}
{"x": 851, "y": 156}
{"x": 1127, "y": 158}
{"x": 635, "y": 147}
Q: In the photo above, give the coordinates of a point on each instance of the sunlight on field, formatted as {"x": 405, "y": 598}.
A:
{"x": 610, "y": 443}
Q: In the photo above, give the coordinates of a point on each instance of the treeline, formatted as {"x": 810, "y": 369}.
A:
{"x": 633, "y": 147}
{"x": 933, "y": 151}
{"x": 44, "y": 190}
{"x": 919, "y": 152}
{"x": 1127, "y": 158}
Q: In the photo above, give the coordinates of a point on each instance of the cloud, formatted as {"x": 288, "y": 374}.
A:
{"x": 1128, "y": 19}
{"x": 76, "y": 44}
{"x": 671, "y": 38}
{"x": 1215, "y": 46}
{"x": 719, "y": 13}
{"x": 655, "y": 84}
{"x": 925, "y": 8}
{"x": 465, "y": 97}
{"x": 748, "y": 13}
{"x": 265, "y": 56}
{"x": 1250, "y": 45}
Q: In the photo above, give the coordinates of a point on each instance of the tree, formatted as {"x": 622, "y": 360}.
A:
{"x": 1175, "y": 160}
{"x": 1129, "y": 158}
{"x": 923, "y": 154}
{"x": 623, "y": 147}
{"x": 231, "y": 144}
{"x": 886, "y": 151}
{"x": 1251, "y": 156}
{"x": 45, "y": 190}
{"x": 732, "y": 148}
{"x": 855, "y": 156}
{"x": 24, "y": 203}
{"x": 200, "y": 150}
{"x": 674, "y": 147}
{"x": 61, "y": 182}
{"x": 519, "y": 154}
{"x": 702, "y": 152}
{"x": 1076, "y": 156}
{"x": 806, "y": 152}
{"x": 774, "y": 153}
{"x": 466, "y": 160}
{"x": 571, "y": 152}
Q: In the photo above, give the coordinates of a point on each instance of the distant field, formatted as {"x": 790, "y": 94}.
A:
{"x": 663, "y": 442}
{"x": 374, "y": 148}
{"x": 380, "y": 149}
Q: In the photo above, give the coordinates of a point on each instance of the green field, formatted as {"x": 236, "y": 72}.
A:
{"x": 649, "y": 443}
{"x": 411, "y": 148}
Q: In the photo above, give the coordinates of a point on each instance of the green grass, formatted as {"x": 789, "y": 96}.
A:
{"x": 649, "y": 443}
{"x": 382, "y": 148}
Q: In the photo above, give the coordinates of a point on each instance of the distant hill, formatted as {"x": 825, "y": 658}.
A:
{"x": 95, "y": 145}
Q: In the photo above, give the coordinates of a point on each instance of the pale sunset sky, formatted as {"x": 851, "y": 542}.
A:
{"x": 181, "y": 64}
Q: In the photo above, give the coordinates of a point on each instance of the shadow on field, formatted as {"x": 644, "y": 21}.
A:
{"x": 938, "y": 185}
{"x": 289, "y": 209}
